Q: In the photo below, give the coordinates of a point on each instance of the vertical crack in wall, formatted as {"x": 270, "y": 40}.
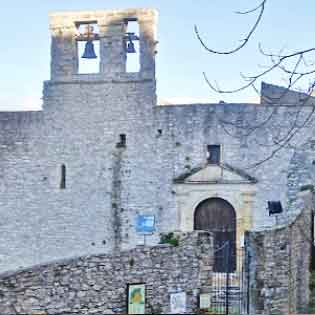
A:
{"x": 116, "y": 197}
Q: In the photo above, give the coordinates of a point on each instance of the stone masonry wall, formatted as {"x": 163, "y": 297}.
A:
{"x": 280, "y": 261}
{"x": 187, "y": 129}
{"x": 107, "y": 186}
{"x": 98, "y": 284}
{"x": 80, "y": 126}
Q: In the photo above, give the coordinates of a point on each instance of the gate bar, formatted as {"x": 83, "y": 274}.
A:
{"x": 227, "y": 278}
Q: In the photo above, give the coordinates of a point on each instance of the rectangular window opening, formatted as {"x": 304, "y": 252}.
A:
{"x": 132, "y": 46}
{"x": 88, "y": 48}
{"x": 214, "y": 154}
{"x": 122, "y": 141}
{"x": 63, "y": 177}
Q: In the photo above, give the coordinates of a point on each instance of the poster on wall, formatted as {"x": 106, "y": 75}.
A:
{"x": 204, "y": 301}
{"x": 136, "y": 299}
{"x": 178, "y": 303}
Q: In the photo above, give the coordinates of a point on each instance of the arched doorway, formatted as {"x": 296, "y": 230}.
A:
{"x": 218, "y": 216}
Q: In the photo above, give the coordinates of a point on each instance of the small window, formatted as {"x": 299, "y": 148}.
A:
{"x": 63, "y": 177}
{"x": 214, "y": 154}
{"x": 122, "y": 141}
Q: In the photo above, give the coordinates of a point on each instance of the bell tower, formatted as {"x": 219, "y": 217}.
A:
{"x": 97, "y": 119}
{"x": 106, "y": 32}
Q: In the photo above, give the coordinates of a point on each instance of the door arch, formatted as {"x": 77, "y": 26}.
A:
{"x": 219, "y": 217}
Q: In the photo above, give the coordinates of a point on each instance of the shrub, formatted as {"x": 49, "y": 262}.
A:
{"x": 169, "y": 238}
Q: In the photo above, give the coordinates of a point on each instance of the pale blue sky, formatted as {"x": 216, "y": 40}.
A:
{"x": 25, "y": 44}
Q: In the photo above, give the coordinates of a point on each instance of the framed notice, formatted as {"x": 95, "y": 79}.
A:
{"x": 204, "y": 301}
{"x": 136, "y": 298}
{"x": 178, "y": 303}
{"x": 145, "y": 224}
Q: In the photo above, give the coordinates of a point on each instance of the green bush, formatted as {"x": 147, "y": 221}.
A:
{"x": 169, "y": 238}
{"x": 307, "y": 187}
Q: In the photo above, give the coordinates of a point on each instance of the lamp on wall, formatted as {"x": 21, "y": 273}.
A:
{"x": 89, "y": 51}
{"x": 274, "y": 207}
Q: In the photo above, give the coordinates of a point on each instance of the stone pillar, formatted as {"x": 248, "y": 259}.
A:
{"x": 112, "y": 50}
{"x": 247, "y": 211}
{"x": 64, "y": 61}
{"x": 147, "y": 26}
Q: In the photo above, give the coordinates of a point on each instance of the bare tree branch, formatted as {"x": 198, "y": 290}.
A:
{"x": 261, "y": 7}
{"x": 296, "y": 66}
{"x": 293, "y": 131}
{"x": 251, "y": 10}
{"x": 275, "y": 64}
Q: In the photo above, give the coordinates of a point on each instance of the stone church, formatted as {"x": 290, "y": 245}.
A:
{"x": 77, "y": 175}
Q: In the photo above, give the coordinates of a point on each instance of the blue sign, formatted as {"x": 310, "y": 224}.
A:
{"x": 145, "y": 224}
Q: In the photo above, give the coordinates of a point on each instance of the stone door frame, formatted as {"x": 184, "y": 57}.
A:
{"x": 240, "y": 196}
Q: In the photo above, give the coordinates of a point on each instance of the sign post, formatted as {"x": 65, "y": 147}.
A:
{"x": 145, "y": 225}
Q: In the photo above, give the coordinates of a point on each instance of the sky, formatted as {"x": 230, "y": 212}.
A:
{"x": 289, "y": 25}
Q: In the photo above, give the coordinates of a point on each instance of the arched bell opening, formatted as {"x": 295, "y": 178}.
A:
{"x": 219, "y": 217}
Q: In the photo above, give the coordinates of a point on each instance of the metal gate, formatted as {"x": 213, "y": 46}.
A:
{"x": 230, "y": 294}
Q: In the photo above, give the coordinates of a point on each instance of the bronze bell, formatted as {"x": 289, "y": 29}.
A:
{"x": 89, "y": 52}
{"x": 131, "y": 48}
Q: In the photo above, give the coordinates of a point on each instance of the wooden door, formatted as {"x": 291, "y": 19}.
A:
{"x": 218, "y": 216}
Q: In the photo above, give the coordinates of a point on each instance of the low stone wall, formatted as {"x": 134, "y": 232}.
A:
{"x": 98, "y": 284}
{"x": 280, "y": 264}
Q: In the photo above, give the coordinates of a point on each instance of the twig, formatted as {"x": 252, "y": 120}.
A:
{"x": 245, "y": 40}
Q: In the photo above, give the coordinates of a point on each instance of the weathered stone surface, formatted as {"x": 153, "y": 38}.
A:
{"x": 280, "y": 265}
{"x": 107, "y": 185}
{"x": 98, "y": 284}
